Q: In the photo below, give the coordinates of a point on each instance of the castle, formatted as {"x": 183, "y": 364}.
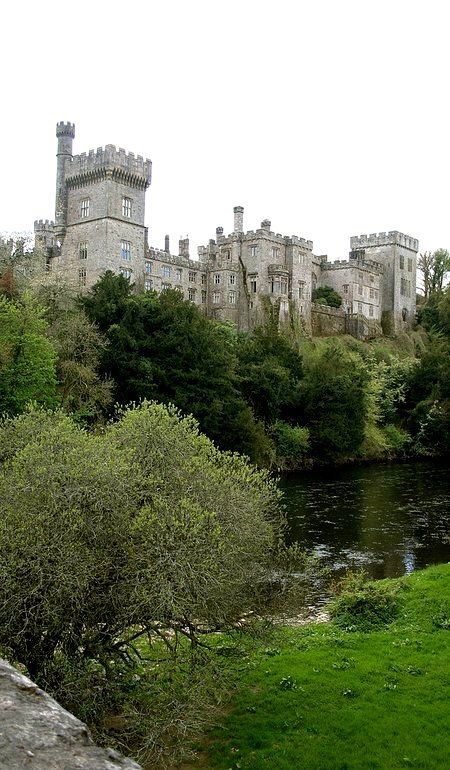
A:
{"x": 99, "y": 226}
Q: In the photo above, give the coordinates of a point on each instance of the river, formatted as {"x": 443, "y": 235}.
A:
{"x": 388, "y": 519}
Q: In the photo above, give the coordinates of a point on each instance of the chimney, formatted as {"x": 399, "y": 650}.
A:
{"x": 219, "y": 233}
{"x": 166, "y": 244}
{"x": 266, "y": 224}
{"x": 238, "y": 219}
{"x": 184, "y": 247}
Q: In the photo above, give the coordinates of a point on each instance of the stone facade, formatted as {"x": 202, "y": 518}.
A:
{"x": 99, "y": 226}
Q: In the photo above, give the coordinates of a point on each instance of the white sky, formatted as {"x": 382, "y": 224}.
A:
{"x": 330, "y": 117}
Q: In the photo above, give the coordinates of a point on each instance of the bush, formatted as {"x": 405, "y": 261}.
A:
{"x": 292, "y": 443}
{"x": 362, "y": 604}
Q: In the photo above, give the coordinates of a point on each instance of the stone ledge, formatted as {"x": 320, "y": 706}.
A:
{"x": 36, "y": 733}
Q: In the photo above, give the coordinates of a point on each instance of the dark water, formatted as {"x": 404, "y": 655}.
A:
{"x": 389, "y": 519}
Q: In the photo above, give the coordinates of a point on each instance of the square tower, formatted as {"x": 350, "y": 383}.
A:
{"x": 100, "y": 214}
{"x": 397, "y": 253}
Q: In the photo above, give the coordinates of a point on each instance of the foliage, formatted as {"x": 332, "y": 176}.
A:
{"x": 326, "y": 295}
{"x": 20, "y": 263}
{"x": 334, "y": 402}
{"x": 362, "y": 604}
{"x": 144, "y": 530}
{"x": 434, "y": 267}
{"x": 27, "y": 358}
{"x": 163, "y": 347}
{"x": 292, "y": 444}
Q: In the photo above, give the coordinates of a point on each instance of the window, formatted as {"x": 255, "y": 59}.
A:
{"x": 232, "y": 279}
{"x": 192, "y": 276}
{"x": 166, "y": 271}
{"x": 216, "y": 297}
{"x": 126, "y": 272}
{"x": 283, "y": 287}
{"x": 203, "y": 297}
{"x": 253, "y": 251}
{"x": 227, "y": 254}
{"x": 275, "y": 286}
{"x": 409, "y": 265}
{"x": 360, "y": 277}
{"x": 402, "y": 261}
{"x": 253, "y": 286}
{"x": 360, "y": 288}
{"x": 345, "y": 288}
{"x": 275, "y": 252}
{"x": 372, "y": 279}
{"x": 359, "y": 307}
{"x": 85, "y": 207}
{"x": 371, "y": 310}
{"x": 301, "y": 290}
{"x": 191, "y": 294}
{"x": 376, "y": 294}
{"x": 125, "y": 250}
{"x": 165, "y": 286}
{"x": 178, "y": 274}
{"x": 148, "y": 267}
{"x": 148, "y": 284}
{"x": 83, "y": 250}
{"x": 126, "y": 207}
{"x": 232, "y": 297}
{"x": 82, "y": 276}
{"x": 203, "y": 279}
{"x": 217, "y": 279}
{"x": 301, "y": 259}
{"x": 371, "y": 292}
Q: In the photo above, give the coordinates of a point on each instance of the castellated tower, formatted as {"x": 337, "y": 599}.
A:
{"x": 397, "y": 253}
{"x": 99, "y": 212}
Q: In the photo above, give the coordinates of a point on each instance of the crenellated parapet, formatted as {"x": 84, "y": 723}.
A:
{"x": 65, "y": 129}
{"x": 177, "y": 260}
{"x": 393, "y": 237}
{"x": 125, "y": 167}
{"x": 361, "y": 264}
{"x": 43, "y": 225}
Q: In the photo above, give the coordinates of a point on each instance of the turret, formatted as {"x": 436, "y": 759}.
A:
{"x": 65, "y": 133}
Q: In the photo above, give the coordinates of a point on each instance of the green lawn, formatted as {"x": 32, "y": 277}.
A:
{"x": 325, "y": 698}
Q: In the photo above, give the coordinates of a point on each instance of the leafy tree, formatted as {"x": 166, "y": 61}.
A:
{"x": 270, "y": 371}
{"x": 141, "y": 530}
{"x": 325, "y": 295}
{"x": 27, "y": 358}
{"x": 434, "y": 267}
{"x": 20, "y": 263}
{"x": 335, "y": 402}
{"x": 162, "y": 347}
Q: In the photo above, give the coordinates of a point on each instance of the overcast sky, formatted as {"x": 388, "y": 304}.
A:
{"x": 328, "y": 117}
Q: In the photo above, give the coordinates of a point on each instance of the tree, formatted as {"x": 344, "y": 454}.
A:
{"x": 335, "y": 402}
{"x": 27, "y": 358}
{"x": 105, "y": 538}
{"x": 20, "y": 263}
{"x": 434, "y": 267}
{"x": 162, "y": 347}
{"x": 325, "y": 295}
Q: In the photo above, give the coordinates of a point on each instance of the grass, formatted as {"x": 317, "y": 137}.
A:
{"x": 323, "y": 697}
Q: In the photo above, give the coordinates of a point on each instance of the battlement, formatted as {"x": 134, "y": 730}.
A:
{"x": 384, "y": 239}
{"x": 65, "y": 129}
{"x": 131, "y": 167}
{"x": 171, "y": 259}
{"x": 42, "y": 225}
{"x": 278, "y": 270}
{"x": 365, "y": 264}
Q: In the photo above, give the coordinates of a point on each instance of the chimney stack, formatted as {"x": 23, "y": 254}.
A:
{"x": 238, "y": 219}
{"x": 184, "y": 247}
{"x": 166, "y": 244}
{"x": 266, "y": 224}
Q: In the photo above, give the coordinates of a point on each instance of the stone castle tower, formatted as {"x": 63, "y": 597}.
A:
{"x": 99, "y": 212}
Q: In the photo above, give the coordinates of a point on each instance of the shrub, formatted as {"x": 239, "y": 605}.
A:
{"x": 362, "y": 604}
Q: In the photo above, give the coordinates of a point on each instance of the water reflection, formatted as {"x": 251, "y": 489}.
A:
{"x": 389, "y": 519}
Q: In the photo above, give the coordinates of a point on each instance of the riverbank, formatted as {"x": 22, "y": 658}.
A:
{"x": 322, "y": 696}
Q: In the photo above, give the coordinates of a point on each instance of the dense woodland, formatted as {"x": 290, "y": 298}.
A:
{"x": 128, "y": 536}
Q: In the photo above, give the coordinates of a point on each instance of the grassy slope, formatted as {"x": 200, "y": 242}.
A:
{"x": 375, "y": 700}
